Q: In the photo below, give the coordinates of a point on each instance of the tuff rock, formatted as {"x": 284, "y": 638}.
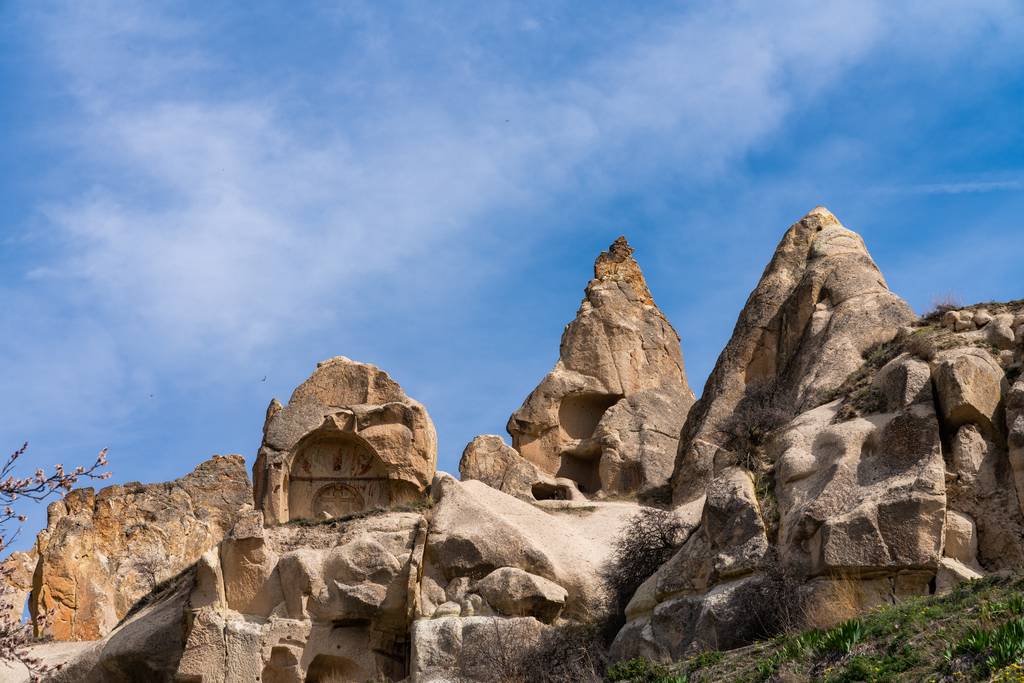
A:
{"x": 348, "y": 440}
{"x": 840, "y": 441}
{"x": 607, "y": 417}
{"x": 101, "y": 552}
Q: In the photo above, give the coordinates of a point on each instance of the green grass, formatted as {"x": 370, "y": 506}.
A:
{"x": 974, "y": 633}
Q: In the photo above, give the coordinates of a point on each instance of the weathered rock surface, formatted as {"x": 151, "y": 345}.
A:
{"x": 819, "y": 305}
{"x": 476, "y": 530}
{"x": 101, "y": 552}
{"x": 608, "y": 415}
{"x": 490, "y": 460}
{"x": 296, "y": 603}
{"x": 349, "y": 439}
{"x": 970, "y": 386}
{"x": 520, "y": 594}
{"x": 18, "y": 571}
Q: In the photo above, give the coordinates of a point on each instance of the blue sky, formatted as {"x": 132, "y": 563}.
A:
{"x": 198, "y": 195}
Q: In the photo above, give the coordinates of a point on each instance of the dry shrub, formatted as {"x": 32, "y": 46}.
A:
{"x": 762, "y": 410}
{"x": 517, "y": 651}
{"x": 649, "y": 540}
{"x": 940, "y": 302}
{"x": 774, "y": 598}
{"x": 921, "y": 346}
{"x": 836, "y": 600}
{"x": 495, "y": 653}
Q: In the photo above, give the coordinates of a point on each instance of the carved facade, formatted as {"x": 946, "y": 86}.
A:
{"x": 348, "y": 440}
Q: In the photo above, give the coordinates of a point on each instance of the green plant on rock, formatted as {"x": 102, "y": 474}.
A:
{"x": 641, "y": 670}
{"x": 843, "y": 637}
{"x": 709, "y": 658}
{"x": 975, "y": 641}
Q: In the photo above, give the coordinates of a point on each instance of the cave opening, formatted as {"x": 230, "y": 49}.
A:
{"x": 580, "y": 415}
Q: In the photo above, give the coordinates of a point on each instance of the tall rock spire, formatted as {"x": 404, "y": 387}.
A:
{"x": 820, "y": 304}
{"x": 606, "y": 416}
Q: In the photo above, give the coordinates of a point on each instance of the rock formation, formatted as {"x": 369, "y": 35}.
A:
{"x": 349, "y": 439}
{"x": 840, "y": 442}
{"x": 606, "y": 418}
{"x": 819, "y": 305}
{"x": 818, "y": 446}
{"x": 101, "y": 552}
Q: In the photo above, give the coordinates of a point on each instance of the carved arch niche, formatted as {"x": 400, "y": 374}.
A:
{"x": 335, "y": 475}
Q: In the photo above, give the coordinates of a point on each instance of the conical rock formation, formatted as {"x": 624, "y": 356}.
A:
{"x": 820, "y": 304}
{"x": 608, "y": 415}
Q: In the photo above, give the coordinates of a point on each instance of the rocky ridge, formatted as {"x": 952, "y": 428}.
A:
{"x": 840, "y": 441}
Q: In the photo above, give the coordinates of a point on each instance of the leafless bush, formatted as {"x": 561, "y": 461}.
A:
{"x": 495, "y": 655}
{"x": 523, "y": 651}
{"x": 572, "y": 653}
{"x": 774, "y": 598}
{"x": 762, "y": 410}
{"x": 921, "y": 346}
{"x": 148, "y": 567}
{"x": 940, "y": 302}
{"x": 647, "y": 541}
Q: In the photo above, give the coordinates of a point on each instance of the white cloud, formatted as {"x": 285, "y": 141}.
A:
{"x": 220, "y": 218}
{"x": 956, "y": 188}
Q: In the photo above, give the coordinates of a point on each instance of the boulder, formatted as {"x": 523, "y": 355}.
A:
{"x": 970, "y": 387}
{"x": 820, "y": 304}
{"x": 608, "y": 415}
{"x": 1000, "y": 332}
{"x": 476, "y": 530}
{"x": 490, "y": 460}
{"x": 685, "y": 626}
{"x": 348, "y": 440}
{"x": 961, "y": 537}
{"x": 952, "y": 572}
{"x": 101, "y": 552}
{"x": 517, "y": 593}
{"x": 905, "y": 380}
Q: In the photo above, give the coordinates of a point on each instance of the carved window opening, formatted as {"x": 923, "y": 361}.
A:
{"x": 580, "y": 415}
{"x": 586, "y": 472}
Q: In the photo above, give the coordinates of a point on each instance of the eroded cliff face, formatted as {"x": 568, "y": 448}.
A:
{"x": 605, "y": 420}
{"x": 819, "y": 305}
{"x": 101, "y": 552}
{"x": 839, "y": 439}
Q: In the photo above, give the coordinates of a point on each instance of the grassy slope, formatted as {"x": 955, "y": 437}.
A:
{"x": 924, "y": 639}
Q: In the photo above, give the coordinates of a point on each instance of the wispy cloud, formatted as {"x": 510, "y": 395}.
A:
{"x": 229, "y": 208}
{"x": 955, "y": 188}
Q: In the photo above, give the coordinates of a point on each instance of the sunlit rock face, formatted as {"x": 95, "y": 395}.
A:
{"x": 348, "y": 440}
{"x": 607, "y": 416}
{"x": 819, "y": 305}
{"x": 868, "y": 493}
{"x": 101, "y": 552}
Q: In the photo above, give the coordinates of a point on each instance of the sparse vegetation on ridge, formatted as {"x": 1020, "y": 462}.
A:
{"x": 417, "y": 507}
{"x": 975, "y": 633}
